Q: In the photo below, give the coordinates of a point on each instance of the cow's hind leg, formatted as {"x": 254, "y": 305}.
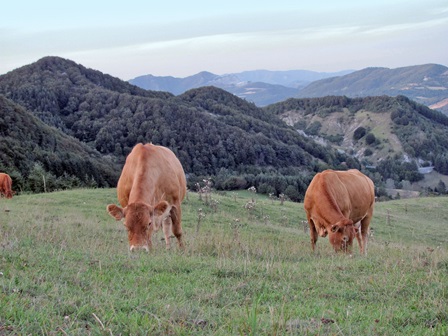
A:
{"x": 176, "y": 215}
{"x": 313, "y": 233}
{"x": 358, "y": 234}
{"x": 365, "y": 223}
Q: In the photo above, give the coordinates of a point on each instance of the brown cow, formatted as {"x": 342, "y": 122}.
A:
{"x": 5, "y": 186}
{"x": 334, "y": 202}
{"x": 151, "y": 188}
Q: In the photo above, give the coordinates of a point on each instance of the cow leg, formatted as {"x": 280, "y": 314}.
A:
{"x": 149, "y": 233}
{"x": 176, "y": 215}
{"x": 358, "y": 234}
{"x": 313, "y": 233}
{"x": 166, "y": 225}
{"x": 365, "y": 223}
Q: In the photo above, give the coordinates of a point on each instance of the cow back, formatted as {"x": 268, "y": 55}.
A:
{"x": 333, "y": 194}
{"x": 358, "y": 191}
{"x": 151, "y": 174}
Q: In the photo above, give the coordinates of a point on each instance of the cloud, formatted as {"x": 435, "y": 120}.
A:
{"x": 231, "y": 35}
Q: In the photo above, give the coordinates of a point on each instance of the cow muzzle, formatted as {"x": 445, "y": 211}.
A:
{"x": 346, "y": 245}
{"x": 139, "y": 247}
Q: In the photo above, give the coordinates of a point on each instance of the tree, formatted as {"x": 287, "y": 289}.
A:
{"x": 39, "y": 180}
{"x": 292, "y": 193}
{"x": 441, "y": 187}
{"x": 370, "y": 139}
{"x": 359, "y": 133}
{"x": 368, "y": 152}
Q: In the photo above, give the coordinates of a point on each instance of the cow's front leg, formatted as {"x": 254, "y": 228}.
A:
{"x": 166, "y": 226}
{"x": 149, "y": 235}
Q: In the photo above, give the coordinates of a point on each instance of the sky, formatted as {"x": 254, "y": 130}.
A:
{"x": 179, "y": 38}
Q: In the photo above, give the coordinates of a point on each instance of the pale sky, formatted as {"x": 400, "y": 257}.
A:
{"x": 180, "y": 38}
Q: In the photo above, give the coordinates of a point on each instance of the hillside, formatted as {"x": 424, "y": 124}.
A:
{"x": 27, "y": 145}
{"x": 213, "y": 132}
{"x": 66, "y": 269}
{"x": 426, "y": 84}
{"x": 379, "y": 131}
{"x": 262, "y": 87}
{"x": 219, "y": 135}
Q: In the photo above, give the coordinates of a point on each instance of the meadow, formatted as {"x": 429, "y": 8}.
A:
{"x": 248, "y": 269}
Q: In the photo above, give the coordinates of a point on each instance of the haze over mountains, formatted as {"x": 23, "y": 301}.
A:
{"x": 263, "y": 87}
{"x": 426, "y": 84}
{"x": 214, "y": 133}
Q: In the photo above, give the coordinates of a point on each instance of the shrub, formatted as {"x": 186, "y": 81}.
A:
{"x": 359, "y": 133}
{"x": 266, "y": 189}
{"x": 292, "y": 193}
{"x": 234, "y": 183}
{"x": 370, "y": 139}
{"x": 368, "y": 152}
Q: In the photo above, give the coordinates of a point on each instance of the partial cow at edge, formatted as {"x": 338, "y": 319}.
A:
{"x": 150, "y": 190}
{"x": 6, "y": 186}
{"x": 340, "y": 204}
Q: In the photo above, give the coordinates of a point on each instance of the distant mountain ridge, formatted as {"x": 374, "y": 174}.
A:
{"x": 262, "y": 87}
{"x": 426, "y": 84}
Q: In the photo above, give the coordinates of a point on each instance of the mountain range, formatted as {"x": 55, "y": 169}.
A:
{"x": 426, "y": 84}
{"x": 78, "y": 123}
{"x": 262, "y": 87}
{"x": 213, "y": 132}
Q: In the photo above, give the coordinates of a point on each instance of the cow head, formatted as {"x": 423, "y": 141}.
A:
{"x": 7, "y": 193}
{"x": 341, "y": 235}
{"x": 138, "y": 218}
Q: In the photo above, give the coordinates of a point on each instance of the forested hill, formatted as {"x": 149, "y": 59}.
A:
{"x": 28, "y": 147}
{"x": 380, "y": 131}
{"x": 213, "y": 132}
{"x": 53, "y": 89}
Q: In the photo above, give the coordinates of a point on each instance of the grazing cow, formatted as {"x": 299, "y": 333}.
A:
{"x": 150, "y": 190}
{"x": 334, "y": 202}
{"x": 5, "y": 186}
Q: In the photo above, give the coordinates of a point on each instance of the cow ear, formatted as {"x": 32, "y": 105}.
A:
{"x": 115, "y": 211}
{"x": 334, "y": 228}
{"x": 162, "y": 209}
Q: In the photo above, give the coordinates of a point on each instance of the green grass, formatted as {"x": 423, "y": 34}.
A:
{"x": 66, "y": 270}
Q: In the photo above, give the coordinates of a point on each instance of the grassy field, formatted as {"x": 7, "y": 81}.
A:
{"x": 65, "y": 269}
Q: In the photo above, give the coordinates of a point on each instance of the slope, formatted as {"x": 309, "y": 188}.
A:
{"x": 376, "y": 130}
{"x": 27, "y": 141}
